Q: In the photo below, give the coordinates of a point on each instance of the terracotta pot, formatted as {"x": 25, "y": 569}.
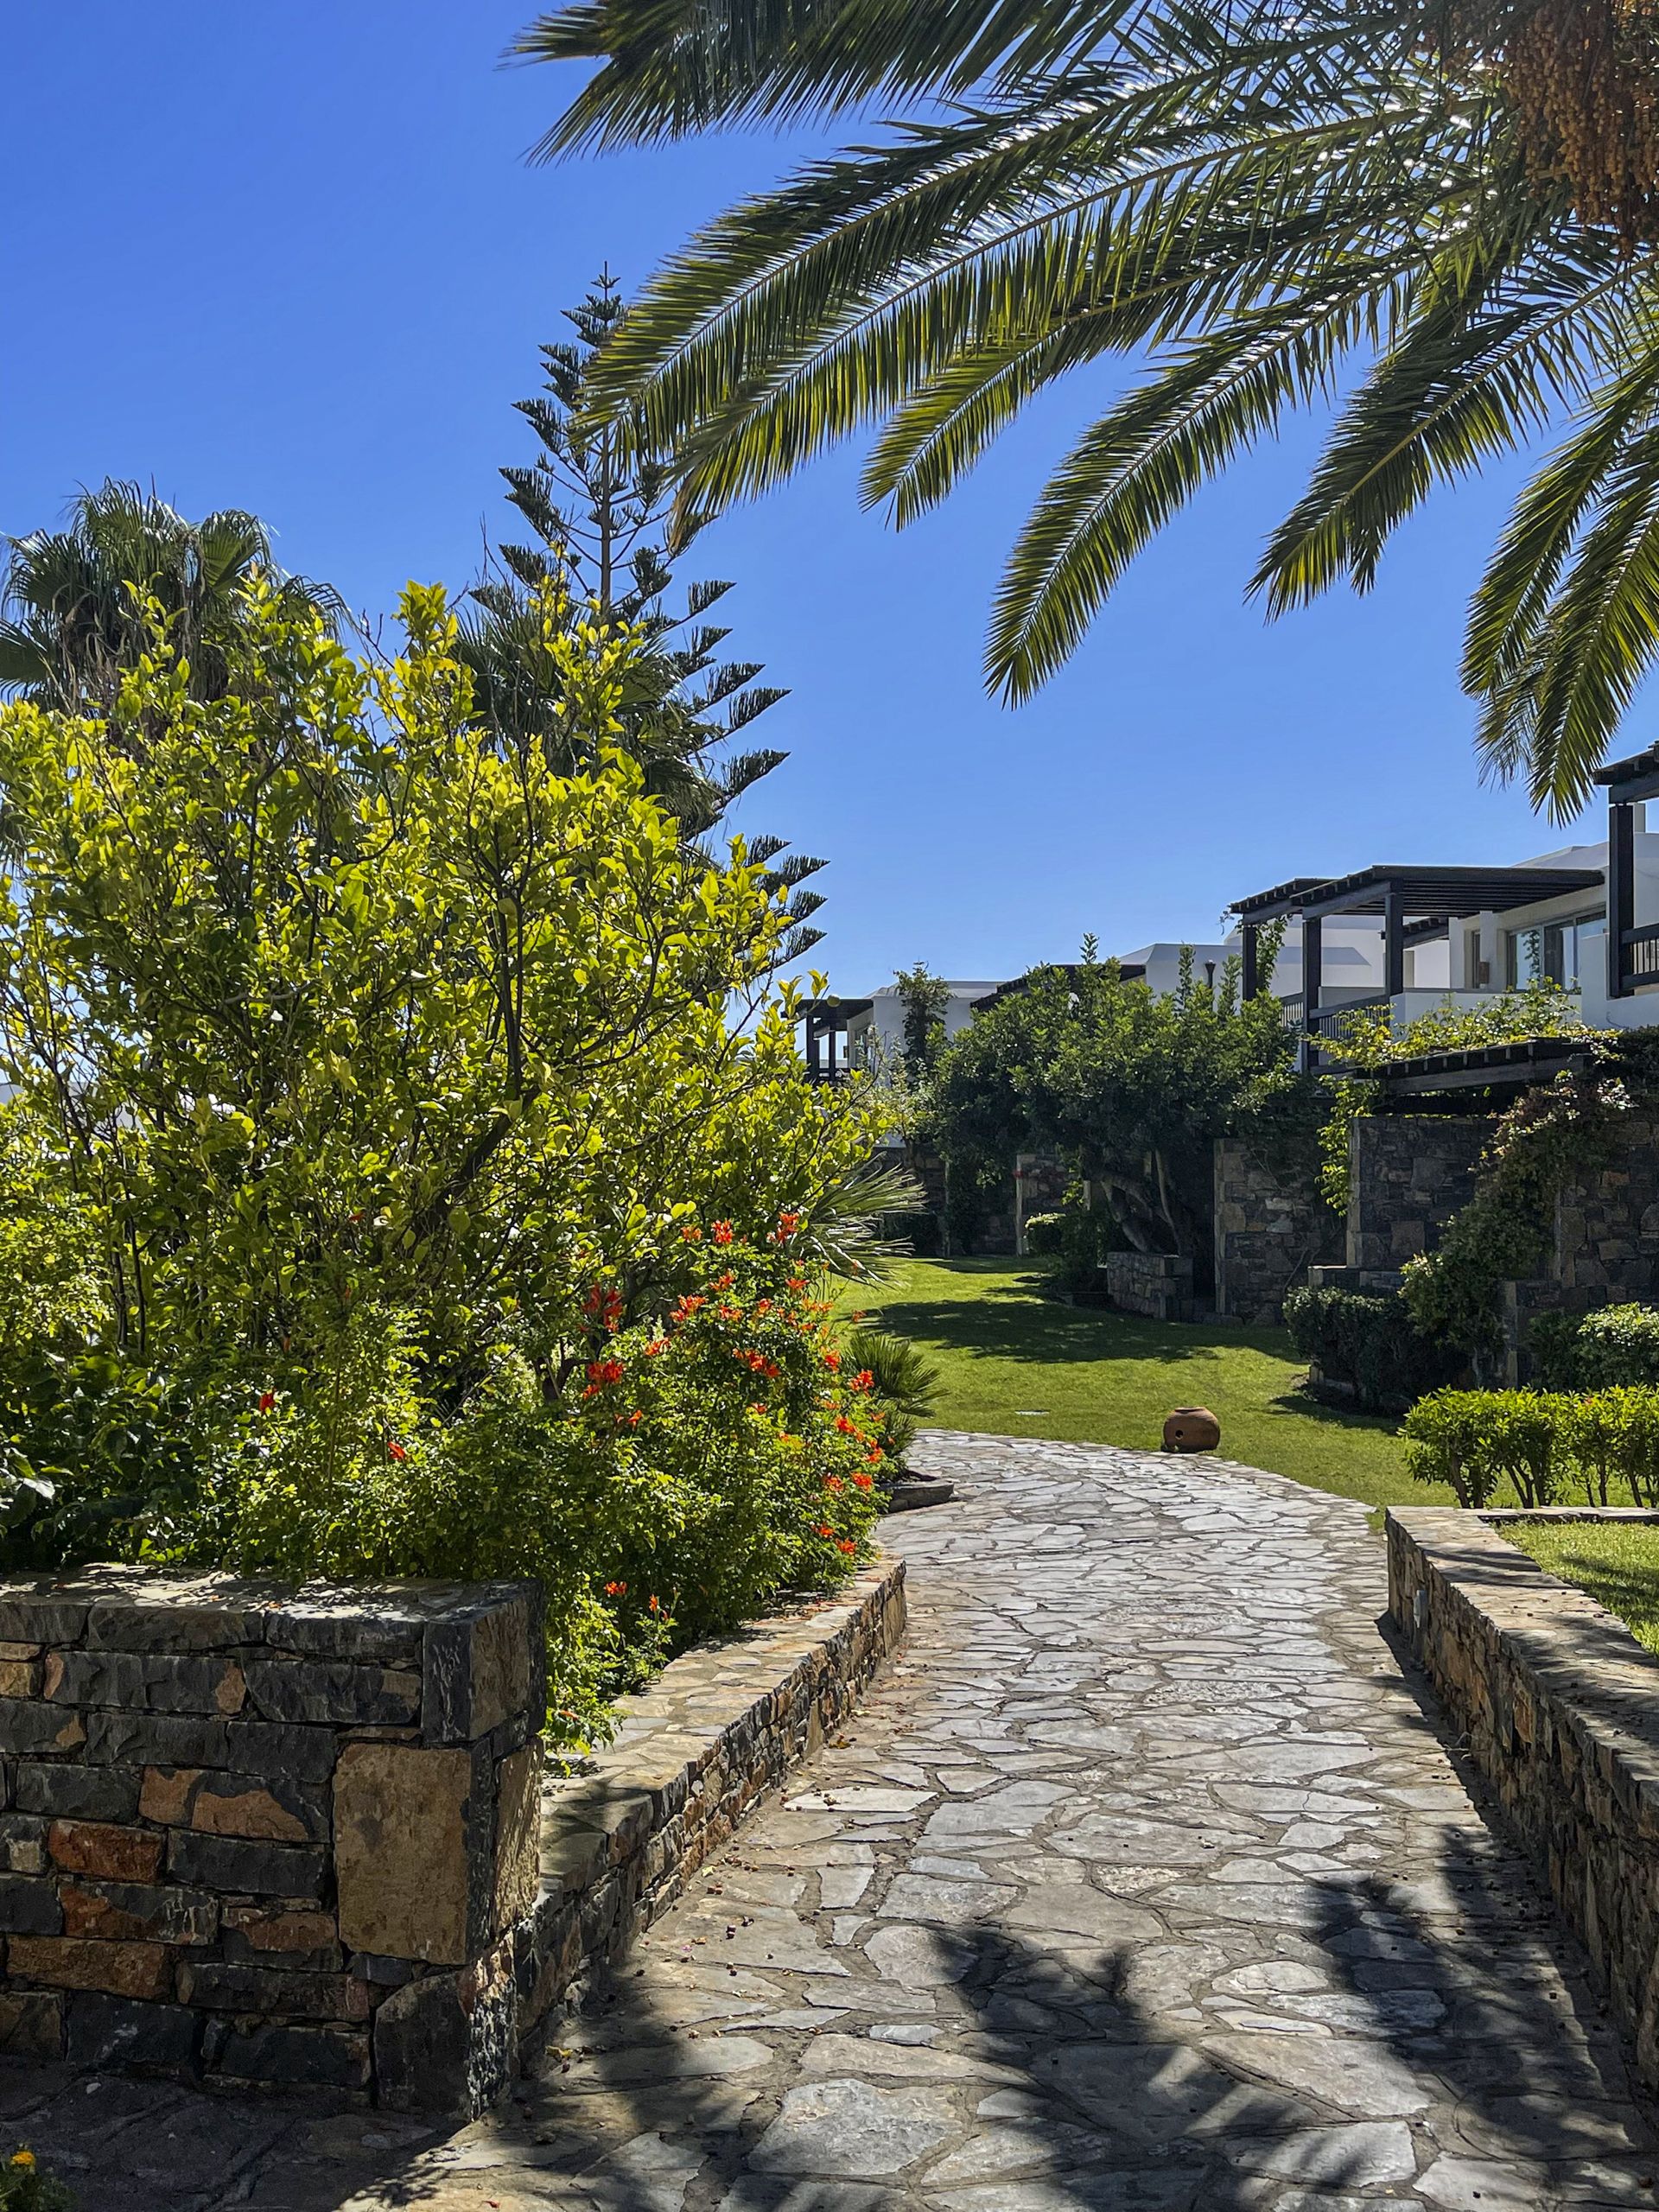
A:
{"x": 1192, "y": 1428}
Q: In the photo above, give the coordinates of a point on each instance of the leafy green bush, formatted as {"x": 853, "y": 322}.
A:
{"x": 1045, "y": 1233}
{"x": 378, "y": 1094}
{"x": 1538, "y": 1441}
{"x": 1446, "y": 1441}
{"x": 1616, "y": 1344}
{"x": 905, "y": 1381}
{"x": 1371, "y": 1343}
{"x": 24, "y": 2188}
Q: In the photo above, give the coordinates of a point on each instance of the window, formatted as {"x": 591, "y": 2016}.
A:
{"x": 1554, "y": 952}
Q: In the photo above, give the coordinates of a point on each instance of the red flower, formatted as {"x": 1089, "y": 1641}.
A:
{"x": 721, "y": 1232}
{"x": 616, "y": 1589}
{"x": 832, "y": 1361}
{"x": 833, "y": 1482}
{"x": 824, "y": 1530}
{"x": 845, "y": 1426}
{"x": 267, "y": 1400}
{"x": 863, "y": 1380}
{"x": 396, "y": 1449}
{"x": 691, "y": 1233}
{"x": 862, "y": 1482}
{"x": 845, "y": 1544}
{"x": 656, "y": 1345}
{"x": 605, "y": 1370}
{"x": 788, "y": 1223}
{"x": 798, "y": 1282}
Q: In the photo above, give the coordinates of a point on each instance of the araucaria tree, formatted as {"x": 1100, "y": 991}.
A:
{"x": 1446, "y": 210}
{"x": 599, "y": 507}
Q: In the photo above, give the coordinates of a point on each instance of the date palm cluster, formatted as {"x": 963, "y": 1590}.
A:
{"x": 1432, "y": 220}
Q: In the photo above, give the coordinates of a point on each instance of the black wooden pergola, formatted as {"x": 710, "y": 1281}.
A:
{"x": 1413, "y": 903}
{"x": 824, "y": 1020}
{"x": 1632, "y": 953}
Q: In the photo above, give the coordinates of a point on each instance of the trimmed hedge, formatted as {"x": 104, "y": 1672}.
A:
{"x": 1371, "y": 1344}
{"x": 1617, "y": 1346}
{"x": 1544, "y": 1443}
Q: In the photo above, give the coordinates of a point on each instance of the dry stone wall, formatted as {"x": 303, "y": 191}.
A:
{"x": 1557, "y": 1706}
{"x": 1268, "y": 1232}
{"x": 272, "y": 1837}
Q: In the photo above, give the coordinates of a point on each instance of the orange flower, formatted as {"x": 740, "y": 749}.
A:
{"x": 862, "y": 1482}
{"x": 863, "y": 1380}
{"x": 824, "y": 1530}
{"x": 656, "y": 1345}
{"x": 832, "y": 1361}
{"x": 635, "y": 1418}
{"x": 723, "y": 1282}
{"x": 833, "y": 1482}
{"x": 616, "y": 1589}
{"x": 845, "y": 1544}
{"x": 396, "y": 1449}
{"x": 691, "y": 1233}
{"x": 267, "y": 1400}
{"x": 788, "y": 1223}
{"x": 655, "y": 1607}
{"x": 721, "y": 1232}
{"x": 845, "y": 1426}
{"x": 798, "y": 1282}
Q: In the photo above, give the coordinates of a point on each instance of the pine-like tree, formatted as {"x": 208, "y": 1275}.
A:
{"x": 599, "y": 506}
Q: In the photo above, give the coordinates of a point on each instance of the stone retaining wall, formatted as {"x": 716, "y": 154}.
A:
{"x": 273, "y": 1837}
{"x": 1268, "y": 1234}
{"x": 1157, "y": 1284}
{"x": 1559, "y": 1707}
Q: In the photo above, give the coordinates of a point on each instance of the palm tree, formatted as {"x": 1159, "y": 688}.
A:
{"x": 74, "y": 609}
{"x": 599, "y": 510}
{"x": 1442, "y": 212}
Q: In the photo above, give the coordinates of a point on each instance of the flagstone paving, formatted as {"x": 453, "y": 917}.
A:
{"x": 1140, "y": 1884}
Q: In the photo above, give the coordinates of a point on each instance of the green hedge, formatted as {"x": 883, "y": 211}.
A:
{"x": 1546, "y": 1445}
{"x": 1617, "y": 1346}
{"x": 1370, "y": 1342}
{"x": 916, "y": 1227}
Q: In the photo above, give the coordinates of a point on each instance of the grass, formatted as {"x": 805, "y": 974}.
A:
{"x": 1618, "y": 1567}
{"x": 1016, "y": 1363}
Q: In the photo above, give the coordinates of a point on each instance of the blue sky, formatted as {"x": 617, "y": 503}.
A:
{"x": 294, "y": 259}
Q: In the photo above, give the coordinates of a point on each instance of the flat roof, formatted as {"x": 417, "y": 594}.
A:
{"x": 1525, "y": 1060}
{"x": 1637, "y": 777}
{"x": 817, "y": 1009}
{"x": 1417, "y": 891}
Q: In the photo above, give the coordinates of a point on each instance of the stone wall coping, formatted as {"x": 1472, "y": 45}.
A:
{"x": 1606, "y": 1683}
{"x": 669, "y": 1733}
{"x": 410, "y": 1603}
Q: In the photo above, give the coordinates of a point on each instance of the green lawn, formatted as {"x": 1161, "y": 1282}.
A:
{"x": 1618, "y": 1567}
{"x": 1019, "y": 1365}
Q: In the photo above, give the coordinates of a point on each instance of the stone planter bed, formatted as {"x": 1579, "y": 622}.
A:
{"x": 265, "y": 1837}
{"x": 1557, "y": 1706}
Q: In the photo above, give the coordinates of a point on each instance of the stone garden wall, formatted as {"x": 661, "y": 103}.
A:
{"x": 1157, "y": 1284}
{"x": 1269, "y": 1233}
{"x": 1407, "y": 1174}
{"x": 1557, "y": 1706}
{"x": 269, "y": 1837}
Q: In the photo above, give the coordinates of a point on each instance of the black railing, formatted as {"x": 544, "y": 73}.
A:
{"x": 1641, "y": 953}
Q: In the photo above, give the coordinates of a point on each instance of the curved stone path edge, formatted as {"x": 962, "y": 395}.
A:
{"x": 1143, "y": 1882}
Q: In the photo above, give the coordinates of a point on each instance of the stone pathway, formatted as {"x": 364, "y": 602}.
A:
{"x": 1141, "y": 1883}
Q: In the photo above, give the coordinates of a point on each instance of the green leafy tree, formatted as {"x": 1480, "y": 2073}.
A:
{"x": 1133, "y": 1086}
{"x": 79, "y": 605}
{"x": 406, "y": 1139}
{"x": 598, "y": 507}
{"x": 1449, "y": 214}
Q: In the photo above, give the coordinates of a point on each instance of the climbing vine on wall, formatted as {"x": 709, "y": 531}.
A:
{"x": 1549, "y": 1137}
